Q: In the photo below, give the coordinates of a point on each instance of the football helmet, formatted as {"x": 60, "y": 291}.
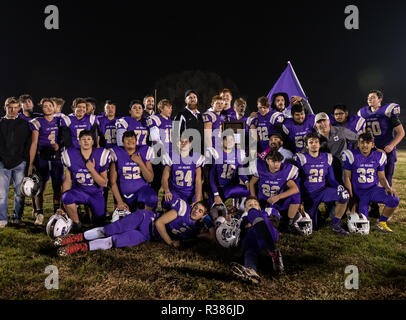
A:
{"x": 358, "y": 223}
{"x": 304, "y": 224}
{"x": 218, "y": 210}
{"x": 118, "y": 214}
{"x": 31, "y": 185}
{"x": 228, "y": 232}
{"x": 58, "y": 225}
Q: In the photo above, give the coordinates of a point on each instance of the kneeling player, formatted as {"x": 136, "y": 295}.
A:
{"x": 260, "y": 238}
{"x": 85, "y": 177}
{"x": 364, "y": 170}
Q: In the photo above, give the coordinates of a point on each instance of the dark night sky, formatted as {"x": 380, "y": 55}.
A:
{"x": 117, "y": 50}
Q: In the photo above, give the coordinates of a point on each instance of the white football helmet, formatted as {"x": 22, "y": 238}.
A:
{"x": 118, "y": 214}
{"x": 58, "y": 225}
{"x": 218, "y": 210}
{"x": 358, "y": 223}
{"x": 228, "y": 232}
{"x": 31, "y": 185}
{"x": 304, "y": 224}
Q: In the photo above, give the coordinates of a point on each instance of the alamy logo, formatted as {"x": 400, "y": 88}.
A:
{"x": 352, "y": 21}
{"x": 52, "y": 21}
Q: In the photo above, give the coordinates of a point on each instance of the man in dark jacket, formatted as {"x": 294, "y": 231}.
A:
{"x": 15, "y": 142}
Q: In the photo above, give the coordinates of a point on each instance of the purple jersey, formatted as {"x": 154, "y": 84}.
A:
{"x": 316, "y": 171}
{"x": 76, "y": 126}
{"x": 139, "y": 127}
{"x": 130, "y": 178}
{"x": 266, "y": 126}
{"x": 160, "y": 129}
{"x": 364, "y": 170}
{"x": 183, "y": 227}
{"x": 81, "y": 177}
{"x": 183, "y": 171}
{"x": 108, "y": 130}
{"x": 379, "y": 122}
{"x": 354, "y": 123}
{"x": 297, "y": 132}
{"x": 216, "y": 120}
{"x": 33, "y": 116}
{"x": 271, "y": 184}
{"x": 47, "y": 131}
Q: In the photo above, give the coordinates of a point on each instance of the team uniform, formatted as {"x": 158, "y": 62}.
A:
{"x": 28, "y": 119}
{"x": 133, "y": 187}
{"x": 297, "y": 132}
{"x": 354, "y": 123}
{"x": 84, "y": 190}
{"x": 314, "y": 175}
{"x": 225, "y": 176}
{"x": 48, "y": 161}
{"x": 75, "y": 126}
{"x": 381, "y": 124}
{"x": 130, "y": 124}
{"x": 266, "y": 125}
{"x": 364, "y": 179}
{"x": 271, "y": 184}
{"x": 183, "y": 175}
{"x": 216, "y": 120}
{"x": 108, "y": 131}
{"x": 160, "y": 129}
{"x": 183, "y": 227}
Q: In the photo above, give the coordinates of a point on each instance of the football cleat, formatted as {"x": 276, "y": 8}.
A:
{"x": 245, "y": 274}
{"x": 383, "y": 226}
{"x": 68, "y": 239}
{"x": 277, "y": 261}
{"x": 39, "y": 220}
{"x": 72, "y": 248}
{"x": 339, "y": 230}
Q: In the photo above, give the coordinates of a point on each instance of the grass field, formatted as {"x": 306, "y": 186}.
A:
{"x": 314, "y": 265}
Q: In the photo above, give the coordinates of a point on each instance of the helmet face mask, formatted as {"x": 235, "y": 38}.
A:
{"x": 304, "y": 224}
{"x": 31, "y": 186}
{"x": 218, "y": 210}
{"x": 58, "y": 225}
{"x": 358, "y": 223}
{"x": 118, "y": 214}
{"x": 228, "y": 232}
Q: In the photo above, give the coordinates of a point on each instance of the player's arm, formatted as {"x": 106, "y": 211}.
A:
{"x": 99, "y": 178}
{"x": 114, "y": 187}
{"x": 198, "y": 184}
{"x": 292, "y": 189}
{"x": 160, "y": 226}
{"x": 165, "y": 183}
{"x": 399, "y": 135}
{"x": 33, "y": 150}
{"x": 331, "y": 178}
{"x": 252, "y": 183}
{"x": 347, "y": 181}
{"x": 384, "y": 183}
{"x": 146, "y": 168}
{"x": 208, "y": 133}
{"x": 67, "y": 180}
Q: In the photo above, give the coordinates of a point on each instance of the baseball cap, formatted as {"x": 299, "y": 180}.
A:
{"x": 321, "y": 116}
{"x": 188, "y": 92}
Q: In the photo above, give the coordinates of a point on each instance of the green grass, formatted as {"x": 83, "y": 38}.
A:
{"x": 314, "y": 265}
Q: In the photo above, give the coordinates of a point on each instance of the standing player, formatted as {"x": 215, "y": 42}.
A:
{"x": 90, "y": 105}
{"x": 130, "y": 174}
{"x": 46, "y": 154}
{"x": 342, "y": 118}
{"x": 27, "y": 108}
{"x": 212, "y": 123}
{"x": 277, "y": 186}
{"x": 266, "y": 122}
{"x": 59, "y": 103}
{"x": 384, "y": 123}
{"x": 182, "y": 176}
{"x": 364, "y": 172}
{"x": 73, "y": 124}
{"x": 227, "y": 97}
{"x": 106, "y": 124}
{"x": 84, "y": 179}
{"x": 135, "y": 122}
{"x": 315, "y": 171}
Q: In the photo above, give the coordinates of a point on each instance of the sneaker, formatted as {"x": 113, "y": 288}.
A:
{"x": 39, "y": 220}
{"x": 3, "y": 223}
{"x": 277, "y": 261}
{"x": 244, "y": 273}
{"x": 68, "y": 239}
{"x": 339, "y": 230}
{"x": 382, "y": 226}
{"x": 72, "y": 248}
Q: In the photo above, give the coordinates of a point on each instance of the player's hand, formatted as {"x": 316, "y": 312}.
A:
{"x": 122, "y": 206}
{"x": 217, "y": 200}
{"x": 30, "y": 169}
{"x": 254, "y": 115}
{"x": 136, "y": 158}
{"x": 175, "y": 243}
{"x": 55, "y": 146}
{"x": 295, "y": 99}
{"x": 59, "y": 211}
{"x": 389, "y": 148}
{"x": 90, "y": 164}
{"x": 301, "y": 208}
{"x": 168, "y": 196}
{"x": 391, "y": 191}
{"x": 274, "y": 199}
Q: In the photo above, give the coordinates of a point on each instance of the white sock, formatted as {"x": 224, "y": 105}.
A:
{"x": 94, "y": 233}
{"x": 101, "y": 244}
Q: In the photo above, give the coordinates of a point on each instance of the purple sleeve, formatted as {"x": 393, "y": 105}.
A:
{"x": 212, "y": 178}
{"x": 331, "y": 179}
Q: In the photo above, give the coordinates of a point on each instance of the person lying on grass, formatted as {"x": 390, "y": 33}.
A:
{"x": 182, "y": 222}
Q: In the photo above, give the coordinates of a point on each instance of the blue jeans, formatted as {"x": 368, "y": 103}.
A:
{"x": 6, "y": 175}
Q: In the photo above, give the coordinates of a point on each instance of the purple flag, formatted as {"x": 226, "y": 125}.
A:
{"x": 288, "y": 83}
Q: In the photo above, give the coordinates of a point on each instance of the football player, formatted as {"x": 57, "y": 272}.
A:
{"x": 384, "y": 123}
{"x": 135, "y": 122}
{"x": 182, "y": 222}
{"x": 72, "y": 125}
{"x": 45, "y": 152}
{"x": 266, "y": 122}
{"x": 131, "y": 173}
{"x": 315, "y": 172}
{"x": 90, "y": 105}
{"x": 364, "y": 176}
{"x": 277, "y": 187}
{"x": 27, "y": 108}
{"x": 342, "y": 118}
{"x": 212, "y": 123}
{"x": 59, "y": 103}
{"x": 226, "y": 173}
{"x": 182, "y": 176}
{"x": 227, "y": 97}
{"x": 106, "y": 124}
{"x": 84, "y": 179}
{"x": 261, "y": 236}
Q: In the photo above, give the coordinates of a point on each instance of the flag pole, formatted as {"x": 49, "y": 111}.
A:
{"x": 155, "y": 101}
{"x": 297, "y": 80}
